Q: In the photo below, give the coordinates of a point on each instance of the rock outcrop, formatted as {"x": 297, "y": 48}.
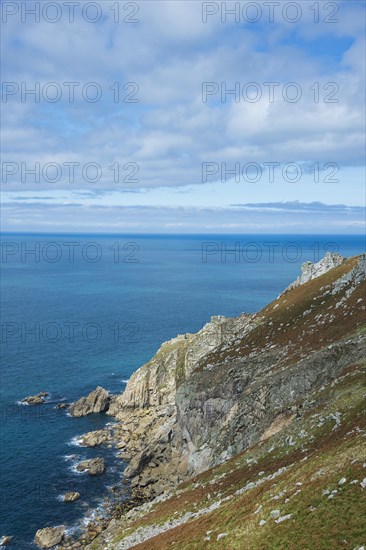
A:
{"x": 49, "y": 536}
{"x": 93, "y": 467}
{"x": 35, "y": 399}
{"x": 93, "y": 439}
{"x": 310, "y": 270}
{"x": 96, "y": 402}
{"x": 71, "y": 497}
{"x": 205, "y": 397}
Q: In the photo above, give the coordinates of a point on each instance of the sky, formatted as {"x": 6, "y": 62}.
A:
{"x": 183, "y": 117}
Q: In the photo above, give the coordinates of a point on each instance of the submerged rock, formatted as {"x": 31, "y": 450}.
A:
{"x": 62, "y": 405}
{"x": 71, "y": 497}
{"x": 97, "y": 401}
{"x": 6, "y": 539}
{"x": 49, "y": 536}
{"x": 93, "y": 467}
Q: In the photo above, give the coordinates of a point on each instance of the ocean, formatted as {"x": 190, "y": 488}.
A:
{"x": 78, "y": 311}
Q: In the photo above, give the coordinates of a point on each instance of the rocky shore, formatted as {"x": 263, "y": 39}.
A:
{"x": 206, "y": 397}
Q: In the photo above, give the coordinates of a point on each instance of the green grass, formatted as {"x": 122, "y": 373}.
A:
{"x": 331, "y": 454}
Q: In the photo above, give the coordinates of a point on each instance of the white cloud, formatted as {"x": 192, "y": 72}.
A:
{"x": 170, "y": 132}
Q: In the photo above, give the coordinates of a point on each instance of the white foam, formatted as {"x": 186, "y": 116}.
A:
{"x": 72, "y": 530}
{"x": 22, "y": 403}
{"x": 124, "y": 381}
{"x": 76, "y": 441}
{"x": 70, "y": 457}
{"x": 92, "y": 514}
{"x": 75, "y": 471}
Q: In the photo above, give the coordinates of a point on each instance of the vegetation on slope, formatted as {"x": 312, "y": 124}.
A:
{"x": 312, "y": 474}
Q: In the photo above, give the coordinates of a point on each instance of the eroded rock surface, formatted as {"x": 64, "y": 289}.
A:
{"x": 49, "y": 536}
{"x": 311, "y": 270}
{"x": 96, "y": 402}
{"x": 35, "y": 399}
{"x": 94, "y": 466}
{"x": 205, "y": 397}
{"x": 71, "y": 497}
{"x": 95, "y": 438}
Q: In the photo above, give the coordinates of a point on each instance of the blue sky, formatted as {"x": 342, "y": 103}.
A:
{"x": 176, "y": 153}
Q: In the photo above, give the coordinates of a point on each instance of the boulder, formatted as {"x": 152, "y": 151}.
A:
{"x": 71, "y": 497}
{"x": 93, "y": 467}
{"x": 49, "y": 536}
{"x": 97, "y": 401}
{"x": 62, "y": 405}
{"x": 35, "y": 399}
{"x": 93, "y": 439}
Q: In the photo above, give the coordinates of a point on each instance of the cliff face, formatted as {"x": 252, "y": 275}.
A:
{"x": 203, "y": 398}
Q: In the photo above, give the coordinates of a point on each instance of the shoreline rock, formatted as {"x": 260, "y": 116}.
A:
{"x": 93, "y": 466}
{"x": 37, "y": 399}
{"x": 96, "y": 402}
{"x": 49, "y": 536}
{"x": 62, "y": 405}
{"x": 95, "y": 438}
{"x": 71, "y": 497}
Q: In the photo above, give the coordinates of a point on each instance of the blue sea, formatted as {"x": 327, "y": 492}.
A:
{"x": 82, "y": 311}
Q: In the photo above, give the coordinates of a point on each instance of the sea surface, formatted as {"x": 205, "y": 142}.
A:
{"x": 82, "y": 311}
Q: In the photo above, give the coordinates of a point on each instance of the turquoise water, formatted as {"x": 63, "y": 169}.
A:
{"x": 71, "y": 322}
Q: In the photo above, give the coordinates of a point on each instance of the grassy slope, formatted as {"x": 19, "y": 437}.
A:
{"x": 283, "y": 323}
{"x": 315, "y": 451}
{"x": 332, "y": 452}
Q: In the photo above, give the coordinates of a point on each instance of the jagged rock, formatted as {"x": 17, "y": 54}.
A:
{"x": 310, "y": 270}
{"x": 49, "y": 536}
{"x": 136, "y": 465}
{"x": 71, "y": 497}
{"x": 93, "y": 439}
{"x": 62, "y": 405}
{"x": 35, "y": 399}
{"x": 97, "y": 401}
{"x": 94, "y": 466}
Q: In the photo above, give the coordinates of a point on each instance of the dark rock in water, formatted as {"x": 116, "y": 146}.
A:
{"x": 49, "y": 536}
{"x": 71, "y": 497}
{"x": 97, "y": 401}
{"x": 5, "y": 540}
{"x": 93, "y": 467}
{"x": 62, "y": 405}
{"x": 35, "y": 399}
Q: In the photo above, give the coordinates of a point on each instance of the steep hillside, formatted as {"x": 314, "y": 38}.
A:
{"x": 266, "y": 410}
{"x": 303, "y": 488}
{"x": 205, "y": 397}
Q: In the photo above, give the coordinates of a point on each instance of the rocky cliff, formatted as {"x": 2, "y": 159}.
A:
{"x": 205, "y": 397}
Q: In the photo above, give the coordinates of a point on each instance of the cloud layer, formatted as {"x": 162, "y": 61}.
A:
{"x": 161, "y": 130}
